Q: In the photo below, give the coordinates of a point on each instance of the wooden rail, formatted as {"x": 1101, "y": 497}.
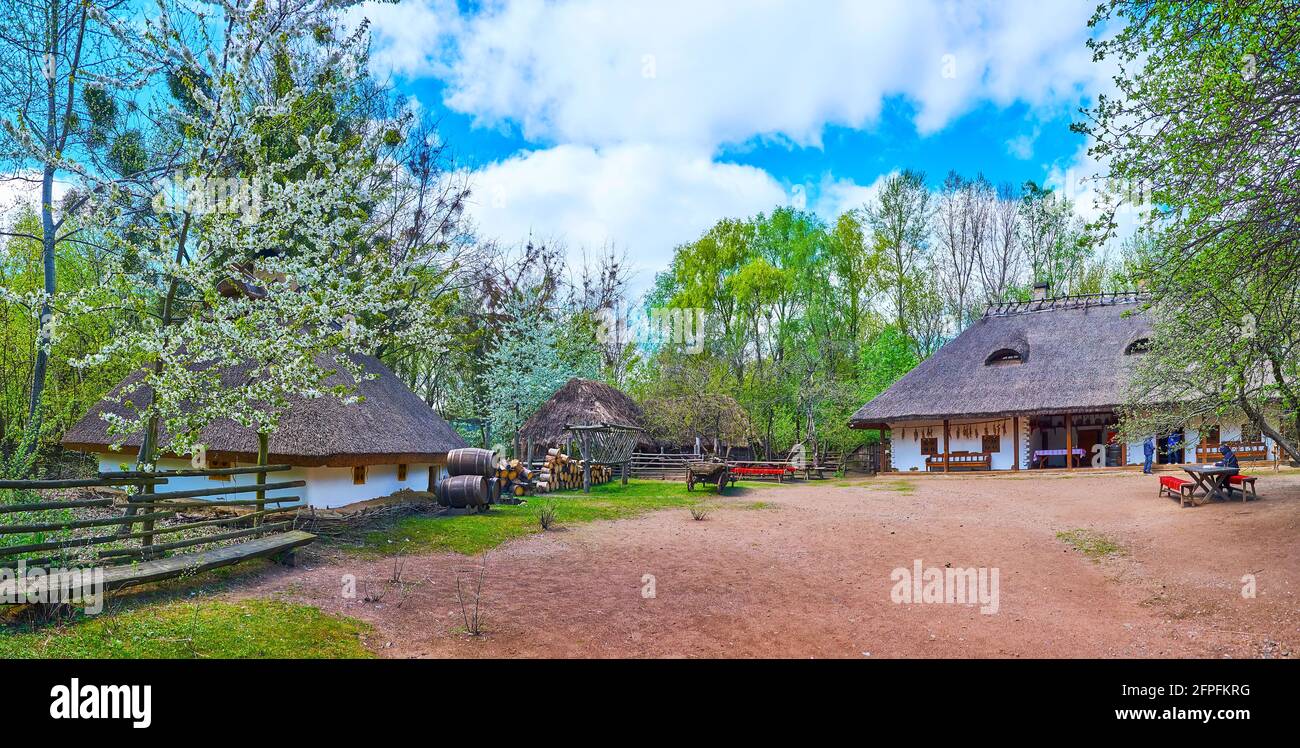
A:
{"x": 149, "y": 510}
{"x": 659, "y": 466}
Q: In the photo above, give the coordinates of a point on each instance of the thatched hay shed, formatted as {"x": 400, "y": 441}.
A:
{"x": 583, "y": 402}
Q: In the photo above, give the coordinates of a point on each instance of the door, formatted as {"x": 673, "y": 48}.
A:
{"x": 1087, "y": 438}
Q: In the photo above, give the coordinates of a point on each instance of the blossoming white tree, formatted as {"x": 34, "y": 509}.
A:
{"x": 269, "y": 272}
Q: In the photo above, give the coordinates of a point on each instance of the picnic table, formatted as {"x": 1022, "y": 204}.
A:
{"x": 1041, "y": 455}
{"x": 1211, "y": 481}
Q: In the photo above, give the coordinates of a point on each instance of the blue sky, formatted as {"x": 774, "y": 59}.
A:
{"x": 641, "y": 124}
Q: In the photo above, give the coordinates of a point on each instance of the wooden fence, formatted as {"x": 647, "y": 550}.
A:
{"x": 673, "y": 466}
{"x": 61, "y": 540}
{"x": 659, "y": 466}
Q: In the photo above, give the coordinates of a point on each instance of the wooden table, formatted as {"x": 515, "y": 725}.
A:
{"x": 1041, "y": 455}
{"x": 1211, "y": 481}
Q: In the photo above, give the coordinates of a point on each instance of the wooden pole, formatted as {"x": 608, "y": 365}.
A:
{"x": 624, "y": 473}
{"x": 945, "y": 445}
{"x": 147, "y": 527}
{"x": 263, "y": 452}
{"x": 1069, "y": 442}
{"x": 1015, "y": 442}
{"x": 586, "y": 463}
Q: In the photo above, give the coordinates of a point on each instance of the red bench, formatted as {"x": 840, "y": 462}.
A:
{"x": 1176, "y": 488}
{"x": 1244, "y": 482}
{"x": 763, "y": 472}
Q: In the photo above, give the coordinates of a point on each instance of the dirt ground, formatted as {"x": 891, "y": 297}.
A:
{"x": 808, "y": 574}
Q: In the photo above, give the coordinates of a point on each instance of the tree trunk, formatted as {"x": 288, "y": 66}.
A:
{"x": 1257, "y": 418}
{"x": 44, "y": 330}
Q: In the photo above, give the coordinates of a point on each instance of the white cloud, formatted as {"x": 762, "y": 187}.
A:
{"x": 1077, "y": 180}
{"x": 705, "y": 74}
{"x": 837, "y": 196}
{"x": 646, "y": 199}
{"x": 1022, "y": 146}
{"x": 409, "y": 38}
{"x": 21, "y": 190}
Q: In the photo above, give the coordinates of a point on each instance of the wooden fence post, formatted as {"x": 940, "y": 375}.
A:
{"x": 263, "y": 452}
{"x": 146, "y": 487}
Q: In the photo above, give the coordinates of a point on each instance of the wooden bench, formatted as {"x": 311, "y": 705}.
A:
{"x": 758, "y": 471}
{"x": 1242, "y": 482}
{"x": 1176, "y": 488}
{"x": 80, "y": 583}
{"x": 1251, "y": 452}
{"x": 961, "y": 461}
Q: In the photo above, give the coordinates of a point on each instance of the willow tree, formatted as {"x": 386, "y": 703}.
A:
{"x": 1205, "y": 128}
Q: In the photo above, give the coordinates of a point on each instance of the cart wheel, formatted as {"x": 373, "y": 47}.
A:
{"x": 690, "y": 480}
{"x": 722, "y": 481}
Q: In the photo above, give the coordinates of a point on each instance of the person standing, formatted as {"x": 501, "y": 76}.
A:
{"x": 1173, "y": 449}
{"x": 1149, "y": 452}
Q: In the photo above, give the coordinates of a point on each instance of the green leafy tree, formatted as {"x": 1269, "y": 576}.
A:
{"x": 1201, "y": 143}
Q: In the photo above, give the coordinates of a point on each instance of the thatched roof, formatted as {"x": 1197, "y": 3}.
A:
{"x": 390, "y": 425}
{"x": 1073, "y": 361}
{"x": 583, "y": 402}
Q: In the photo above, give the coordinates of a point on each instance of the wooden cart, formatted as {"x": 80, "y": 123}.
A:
{"x": 706, "y": 473}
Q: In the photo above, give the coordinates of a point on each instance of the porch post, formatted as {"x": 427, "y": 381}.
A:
{"x": 1069, "y": 442}
{"x": 1015, "y": 442}
{"x": 945, "y": 445}
{"x": 880, "y": 453}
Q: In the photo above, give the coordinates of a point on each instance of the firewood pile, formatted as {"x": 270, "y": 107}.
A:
{"x": 560, "y": 472}
{"x": 514, "y": 479}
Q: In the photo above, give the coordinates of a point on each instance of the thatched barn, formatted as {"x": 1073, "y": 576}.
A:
{"x": 1029, "y": 385}
{"x": 346, "y": 453}
{"x": 581, "y": 402}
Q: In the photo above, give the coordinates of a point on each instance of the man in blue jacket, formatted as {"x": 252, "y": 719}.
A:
{"x": 1148, "y": 451}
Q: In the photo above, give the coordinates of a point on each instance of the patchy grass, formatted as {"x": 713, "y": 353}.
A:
{"x": 261, "y": 629}
{"x": 470, "y": 534}
{"x": 1091, "y": 543}
{"x": 896, "y": 486}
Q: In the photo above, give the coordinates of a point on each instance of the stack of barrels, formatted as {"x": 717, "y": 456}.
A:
{"x": 513, "y": 478}
{"x": 472, "y": 479}
{"x": 560, "y": 472}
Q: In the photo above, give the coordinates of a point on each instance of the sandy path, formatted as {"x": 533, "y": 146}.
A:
{"x": 809, "y": 576}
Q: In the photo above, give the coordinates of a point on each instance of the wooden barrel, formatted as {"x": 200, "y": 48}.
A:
{"x": 463, "y": 490}
{"x": 494, "y": 491}
{"x": 471, "y": 461}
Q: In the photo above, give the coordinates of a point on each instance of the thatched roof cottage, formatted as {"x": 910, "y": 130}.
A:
{"x": 388, "y": 441}
{"x": 582, "y": 402}
{"x": 1029, "y": 384}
